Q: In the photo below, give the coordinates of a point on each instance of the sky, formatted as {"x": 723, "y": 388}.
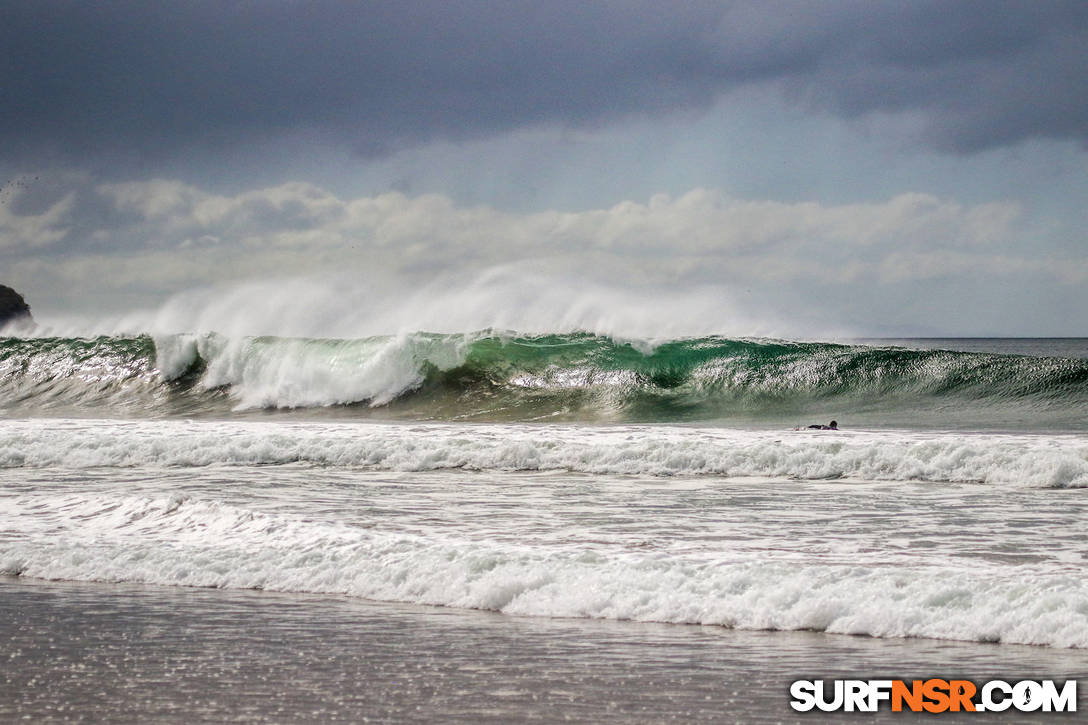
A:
{"x": 797, "y": 169}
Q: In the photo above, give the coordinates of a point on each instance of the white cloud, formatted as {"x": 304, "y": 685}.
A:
{"x": 393, "y": 229}
{"x": 34, "y": 231}
{"x": 164, "y": 237}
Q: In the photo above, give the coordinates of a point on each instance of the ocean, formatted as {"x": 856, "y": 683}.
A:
{"x": 494, "y": 527}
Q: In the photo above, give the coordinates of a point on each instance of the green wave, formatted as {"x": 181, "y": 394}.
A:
{"x": 497, "y": 376}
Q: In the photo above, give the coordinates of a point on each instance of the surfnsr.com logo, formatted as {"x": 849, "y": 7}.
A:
{"x": 933, "y": 695}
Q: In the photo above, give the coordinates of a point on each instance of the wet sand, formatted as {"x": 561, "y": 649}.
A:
{"x": 130, "y": 653}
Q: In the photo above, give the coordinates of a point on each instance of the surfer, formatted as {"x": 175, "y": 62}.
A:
{"x": 833, "y": 425}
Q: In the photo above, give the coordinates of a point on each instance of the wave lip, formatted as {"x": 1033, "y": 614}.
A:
{"x": 164, "y": 541}
{"x": 1002, "y": 460}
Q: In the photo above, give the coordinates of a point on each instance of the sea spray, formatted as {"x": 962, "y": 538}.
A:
{"x": 523, "y": 297}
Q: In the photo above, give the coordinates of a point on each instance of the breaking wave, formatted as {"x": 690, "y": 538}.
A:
{"x": 503, "y": 376}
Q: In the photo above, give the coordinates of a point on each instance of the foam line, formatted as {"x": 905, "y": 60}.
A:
{"x": 1007, "y": 460}
{"x": 165, "y": 541}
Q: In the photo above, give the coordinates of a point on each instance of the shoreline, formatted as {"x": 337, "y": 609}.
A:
{"x": 127, "y": 652}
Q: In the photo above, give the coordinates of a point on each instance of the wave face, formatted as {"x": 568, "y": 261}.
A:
{"x": 578, "y": 377}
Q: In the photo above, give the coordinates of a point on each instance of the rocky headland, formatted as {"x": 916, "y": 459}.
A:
{"x": 13, "y": 308}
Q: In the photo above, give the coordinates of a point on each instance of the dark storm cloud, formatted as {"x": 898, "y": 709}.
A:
{"x": 81, "y": 78}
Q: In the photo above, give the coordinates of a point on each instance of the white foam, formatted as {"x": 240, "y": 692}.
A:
{"x": 184, "y": 541}
{"x": 294, "y": 373}
{"x": 1012, "y": 460}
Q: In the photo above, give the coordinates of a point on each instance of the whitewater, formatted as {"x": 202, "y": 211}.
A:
{"x": 560, "y": 477}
